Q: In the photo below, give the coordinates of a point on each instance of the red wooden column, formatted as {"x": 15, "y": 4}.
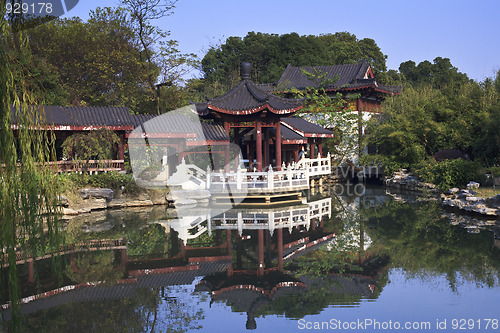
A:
{"x": 313, "y": 145}
{"x": 278, "y": 146}
{"x": 237, "y": 148}
{"x": 260, "y": 271}
{"x": 251, "y": 155}
{"x": 227, "y": 153}
{"x": 181, "y": 149}
{"x": 258, "y": 144}
{"x": 121, "y": 149}
{"x": 229, "y": 251}
{"x": 296, "y": 155}
{"x": 280, "y": 249}
{"x": 123, "y": 253}
{"x": 320, "y": 148}
{"x": 31, "y": 271}
{"x": 266, "y": 148}
{"x": 182, "y": 249}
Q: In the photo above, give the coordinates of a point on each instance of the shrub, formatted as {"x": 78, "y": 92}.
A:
{"x": 389, "y": 163}
{"x": 494, "y": 170}
{"x": 113, "y": 180}
{"x": 449, "y": 173}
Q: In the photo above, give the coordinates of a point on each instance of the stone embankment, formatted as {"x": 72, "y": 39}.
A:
{"x": 406, "y": 181}
{"x": 468, "y": 201}
{"x": 93, "y": 199}
{"x": 465, "y": 200}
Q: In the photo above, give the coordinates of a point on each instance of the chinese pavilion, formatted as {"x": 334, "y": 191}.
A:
{"x": 261, "y": 122}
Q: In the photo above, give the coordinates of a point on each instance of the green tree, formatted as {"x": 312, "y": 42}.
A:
{"x": 28, "y": 197}
{"x": 96, "y": 62}
{"x": 159, "y": 56}
{"x": 115, "y": 58}
{"x": 423, "y": 120}
{"x": 440, "y": 74}
{"x": 486, "y": 147}
{"x": 330, "y": 111}
{"x": 271, "y": 53}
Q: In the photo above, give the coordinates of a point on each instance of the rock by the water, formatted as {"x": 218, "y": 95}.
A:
{"x": 494, "y": 201}
{"x": 474, "y": 199}
{"x": 105, "y": 193}
{"x": 185, "y": 202}
{"x": 62, "y": 201}
{"x": 473, "y": 185}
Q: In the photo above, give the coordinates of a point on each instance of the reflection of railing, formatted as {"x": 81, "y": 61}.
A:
{"x": 92, "y": 166}
{"x": 287, "y": 217}
{"x": 293, "y": 177}
{"x": 90, "y": 245}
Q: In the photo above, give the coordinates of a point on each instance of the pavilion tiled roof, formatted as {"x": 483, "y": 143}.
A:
{"x": 248, "y": 98}
{"x": 348, "y": 77}
{"x": 180, "y": 125}
{"x": 82, "y": 117}
{"x": 306, "y": 128}
{"x": 288, "y": 135}
{"x": 90, "y": 117}
{"x": 124, "y": 290}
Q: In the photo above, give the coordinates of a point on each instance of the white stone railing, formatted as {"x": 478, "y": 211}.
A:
{"x": 317, "y": 166}
{"x": 195, "y": 171}
{"x": 292, "y": 177}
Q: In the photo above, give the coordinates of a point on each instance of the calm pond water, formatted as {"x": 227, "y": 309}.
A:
{"x": 351, "y": 260}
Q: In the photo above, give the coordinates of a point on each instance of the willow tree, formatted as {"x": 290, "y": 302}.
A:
{"x": 28, "y": 200}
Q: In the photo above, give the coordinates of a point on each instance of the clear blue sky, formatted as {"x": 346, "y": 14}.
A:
{"x": 467, "y": 32}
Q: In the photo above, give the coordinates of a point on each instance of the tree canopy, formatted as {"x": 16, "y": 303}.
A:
{"x": 115, "y": 58}
{"x": 271, "y": 53}
{"x": 439, "y": 108}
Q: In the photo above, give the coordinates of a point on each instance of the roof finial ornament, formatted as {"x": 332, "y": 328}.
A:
{"x": 246, "y": 70}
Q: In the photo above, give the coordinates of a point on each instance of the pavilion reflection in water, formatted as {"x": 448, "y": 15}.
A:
{"x": 241, "y": 264}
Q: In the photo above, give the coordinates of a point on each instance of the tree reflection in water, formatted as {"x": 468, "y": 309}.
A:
{"x": 423, "y": 243}
{"x": 234, "y": 260}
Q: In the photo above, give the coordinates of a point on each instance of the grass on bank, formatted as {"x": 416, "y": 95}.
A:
{"x": 487, "y": 192}
{"x": 71, "y": 182}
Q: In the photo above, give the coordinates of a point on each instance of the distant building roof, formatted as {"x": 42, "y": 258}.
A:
{"x": 348, "y": 77}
